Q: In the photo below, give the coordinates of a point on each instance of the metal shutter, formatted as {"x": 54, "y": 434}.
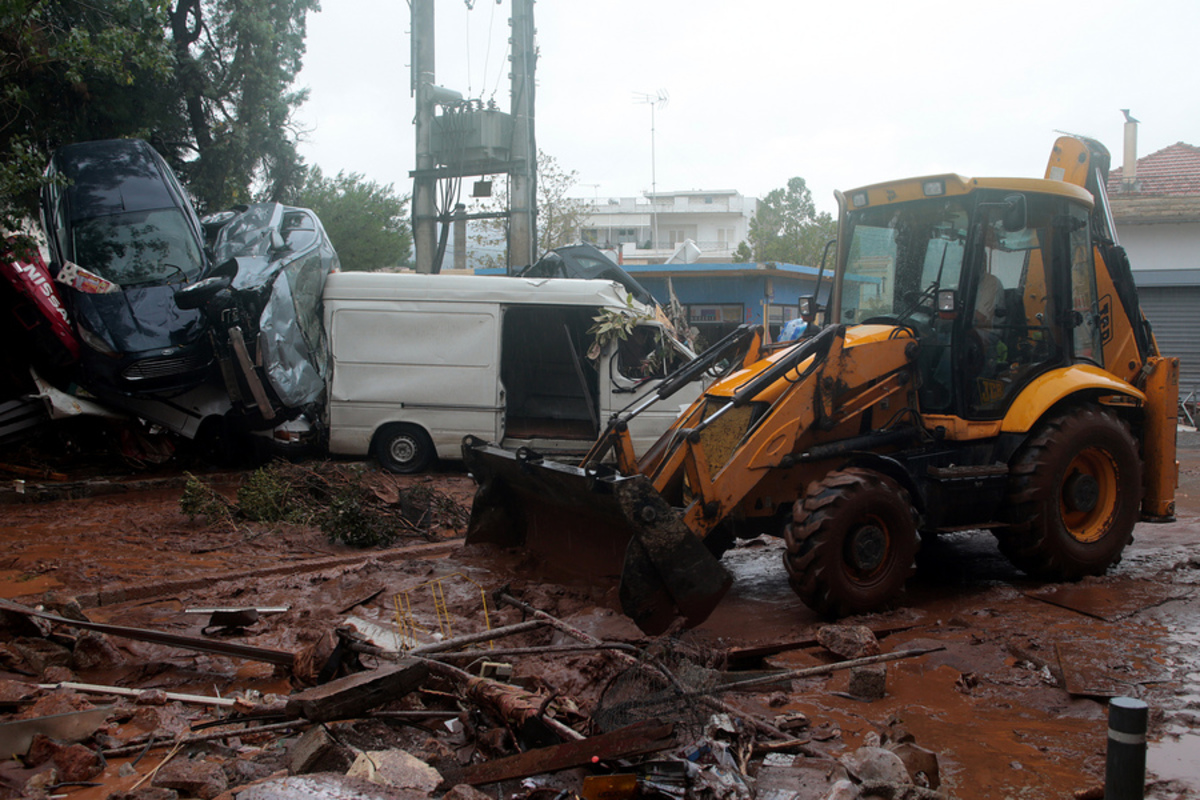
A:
{"x": 1174, "y": 313}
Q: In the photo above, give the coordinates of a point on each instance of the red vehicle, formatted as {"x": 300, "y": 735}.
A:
{"x": 29, "y": 298}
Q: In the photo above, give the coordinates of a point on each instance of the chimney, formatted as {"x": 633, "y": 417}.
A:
{"x": 1129, "y": 168}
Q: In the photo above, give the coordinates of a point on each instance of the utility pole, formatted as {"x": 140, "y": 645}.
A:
{"x": 522, "y": 228}
{"x": 470, "y": 139}
{"x": 653, "y": 100}
{"x": 424, "y": 212}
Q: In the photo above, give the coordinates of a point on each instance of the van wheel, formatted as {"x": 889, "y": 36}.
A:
{"x": 403, "y": 448}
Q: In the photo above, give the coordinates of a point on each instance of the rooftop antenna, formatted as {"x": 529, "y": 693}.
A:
{"x": 653, "y": 100}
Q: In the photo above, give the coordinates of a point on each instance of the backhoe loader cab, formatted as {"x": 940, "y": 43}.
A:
{"x": 993, "y": 278}
{"x": 983, "y": 364}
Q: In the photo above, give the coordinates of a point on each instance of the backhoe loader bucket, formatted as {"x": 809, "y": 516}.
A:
{"x": 595, "y": 524}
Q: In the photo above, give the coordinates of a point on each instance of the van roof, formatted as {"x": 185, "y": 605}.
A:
{"x": 479, "y": 289}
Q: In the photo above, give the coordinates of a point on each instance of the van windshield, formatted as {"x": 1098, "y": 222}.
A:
{"x": 138, "y": 247}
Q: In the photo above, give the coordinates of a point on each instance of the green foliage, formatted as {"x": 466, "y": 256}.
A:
{"x": 73, "y": 70}
{"x": 350, "y": 520}
{"x": 367, "y": 223}
{"x": 269, "y": 495}
{"x": 612, "y": 326}
{"x": 558, "y": 221}
{"x": 201, "y": 500}
{"x": 207, "y": 82}
{"x": 787, "y": 228}
{"x": 235, "y": 64}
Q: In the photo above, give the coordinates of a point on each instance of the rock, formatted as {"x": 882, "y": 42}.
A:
{"x": 316, "y": 751}
{"x": 57, "y": 675}
{"x": 395, "y": 768}
{"x": 464, "y": 792}
{"x": 240, "y": 771}
{"x": 94, "y": 651}
{"x": 39, "y": 654}
{"x": 60, "y": 701}
{"x": 41, "y": 749}
{"x": 65, "y": 606}
{"x": 151, "y": 697}
{"x": 36, "y": 785}
{"x": 126, "y": 769}
{"x": 791, "y": 722}
{"x": 77, "y": 763}
{"x": 13, "y": 692}
{"x": 203, "y": 779}
{"x": 922, "y": 764}
{"x": 875, "y": 764}
{"x": 778, "y": 699}
{"x": 321, "y": 786}
{"x": 848, "y": 641}
{"x": 843, "y": 790}
{"x": 868, "y": 682}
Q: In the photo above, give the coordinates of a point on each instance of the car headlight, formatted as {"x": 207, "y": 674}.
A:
{"x": 96, "y": 342}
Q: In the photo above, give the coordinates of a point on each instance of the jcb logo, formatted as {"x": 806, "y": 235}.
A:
{"x": 1106, "y": 331}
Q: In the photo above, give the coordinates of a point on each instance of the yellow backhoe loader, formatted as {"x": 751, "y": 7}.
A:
{"x": 983, "y": 364}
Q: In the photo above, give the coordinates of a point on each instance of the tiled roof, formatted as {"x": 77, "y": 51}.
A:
{"x": 1171, "y": 172}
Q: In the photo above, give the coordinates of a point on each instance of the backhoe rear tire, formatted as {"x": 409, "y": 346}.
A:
{"x": 852, "y": 543}
{"x": 1075, "y": 490}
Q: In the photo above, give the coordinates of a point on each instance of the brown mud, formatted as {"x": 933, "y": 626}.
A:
{"x": 1014, "y": 705}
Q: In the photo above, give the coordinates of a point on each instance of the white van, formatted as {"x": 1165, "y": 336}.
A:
{"x": 420, "y": 361}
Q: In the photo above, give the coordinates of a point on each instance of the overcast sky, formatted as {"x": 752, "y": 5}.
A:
{"x": 839, "y": 93}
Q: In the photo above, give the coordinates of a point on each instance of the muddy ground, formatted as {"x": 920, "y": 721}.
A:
{"x": 1013, "y": 704}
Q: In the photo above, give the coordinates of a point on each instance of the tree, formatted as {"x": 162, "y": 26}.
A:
{"x": 235, "y": 62}
{"x": 73, "y": 70}
{"x": 367, "y": 223}
{"x": 558, "y": 219}
{"x": 787, "y": 228}
{"x": 207, "y": 82}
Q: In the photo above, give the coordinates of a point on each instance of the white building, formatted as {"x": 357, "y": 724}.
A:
{"x": 716, "y": 221}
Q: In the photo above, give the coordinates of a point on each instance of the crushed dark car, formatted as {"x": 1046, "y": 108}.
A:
{"x": 263, "y": 304}
{"x": 123, "y": 238}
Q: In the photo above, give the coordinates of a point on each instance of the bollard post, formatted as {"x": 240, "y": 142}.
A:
{"x": 1125, "y": 766}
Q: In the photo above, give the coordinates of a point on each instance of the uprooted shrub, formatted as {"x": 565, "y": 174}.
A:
{"x": 339, "y": 499}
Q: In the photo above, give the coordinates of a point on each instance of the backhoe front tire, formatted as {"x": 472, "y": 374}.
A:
{"x": 1074, "y": 495}
{"x": 852, "y": 543}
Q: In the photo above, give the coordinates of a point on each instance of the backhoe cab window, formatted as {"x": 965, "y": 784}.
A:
{"x": 899, "y": 256}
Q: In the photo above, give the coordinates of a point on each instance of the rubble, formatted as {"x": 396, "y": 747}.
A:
{"x": 542, "y": 653}
{"x": 848, "y": 641}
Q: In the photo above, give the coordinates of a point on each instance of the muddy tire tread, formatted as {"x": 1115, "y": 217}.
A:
{"x": 1034, "y": 540}
{"x": 813, "y": 543}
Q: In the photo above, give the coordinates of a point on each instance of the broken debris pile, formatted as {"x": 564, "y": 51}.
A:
{"x": 350, "y": 504}
{"x": 515, "y": 709}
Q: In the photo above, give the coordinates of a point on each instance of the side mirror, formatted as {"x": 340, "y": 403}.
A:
{"x": 807, "y": 306}
{"x": 947, "y": 303}
{"x": 1015, "y": 212}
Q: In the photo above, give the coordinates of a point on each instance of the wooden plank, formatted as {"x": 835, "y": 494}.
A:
{"x": 354, "y": 695}
{"x": 122, "y": 691}
{"x": 648, "y": 736}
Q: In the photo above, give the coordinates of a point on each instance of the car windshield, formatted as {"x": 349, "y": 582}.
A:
{"x": 139, "y": 247}
{"x": 900, "y": 255}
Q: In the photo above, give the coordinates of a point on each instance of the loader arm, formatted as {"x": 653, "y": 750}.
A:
{"x": 818, "y": 400}
{"x": 744, "y": 429}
